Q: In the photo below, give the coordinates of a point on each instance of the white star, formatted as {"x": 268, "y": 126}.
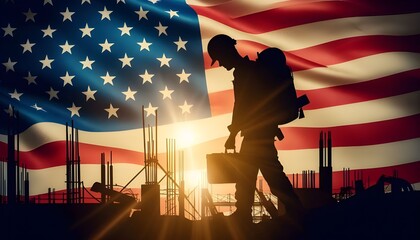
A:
{"x": 30, "y": 15}
{"x": 111, "y": 111}
{"x": 172, "y": 13}
{"x": 67, "y": 15}
{"x": 87, "y": 63}
{"x": 106, "y": 46}
{"x": 48, "y": 31}
{"x": 105, "y": 14}
{"x": 147, "y": 77}
{"x": 36, "y": 107}
{"x": 154, "y": 1}
{"x": 27, "y": 46}
{"x": 52, "y": 93}
{"x": 8, "y": 30}
{"x": 126, "y": 61}
{"x": 9, "y": 65}
{"x": 90, "y": 94}
{"x": 186, "y": 107}
{"x": 125, "y": 30}
{"x": 164, "y": 60}
{"x": 66, "y": 47}
{"x": 144, "y": 45}
{"x": 83, "y": 1}
{"x": 108, "y": 79}
{"x": 118, "y": 1}
{"x": 129, "y": 94}
{"x": 150, "y": 110}
{"x": 183, "y": 76}
{"x": 74, "y": 110}
{"x": 161, "y": 29}
{"x": 30, "y": 78}
{"x": 48, "y": 1}
{"x": 181, "y": 44}
{"x": 86, "y": 30}
{"x": 9, "y": 110}
{"x": 67, "y": 79}
{"x": 142, "y": 13}
{"x": 166, "y": 93}
{"x": 15, "y": 95}
{"x": 46, "y": 62}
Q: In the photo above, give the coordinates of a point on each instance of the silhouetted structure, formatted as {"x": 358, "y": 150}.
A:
{"x": 325, "y": 162}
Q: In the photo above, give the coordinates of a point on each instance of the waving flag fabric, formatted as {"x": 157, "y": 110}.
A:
{"x": 97, "y": 62}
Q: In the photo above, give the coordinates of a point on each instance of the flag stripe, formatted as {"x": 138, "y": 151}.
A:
{"x": 388, "y": 86}
{"x": 298, "y": 14}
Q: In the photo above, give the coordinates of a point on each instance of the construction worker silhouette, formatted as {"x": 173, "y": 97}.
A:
{"x": 258, "y": 129}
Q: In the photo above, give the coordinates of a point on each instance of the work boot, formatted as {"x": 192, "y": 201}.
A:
{"x": 240, "y": 217}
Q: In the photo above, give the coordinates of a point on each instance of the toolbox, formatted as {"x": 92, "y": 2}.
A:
{"x": 223, "y": 167}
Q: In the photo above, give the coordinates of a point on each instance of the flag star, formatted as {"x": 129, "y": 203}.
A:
{"x": 52, "y": 93}
{"x": 118, "y": 1}
{"x": 86, "y": 30}
{"x": 48, "y": 1}
{"x": 48, "y": 31}
{"x": 147, "y": 77}
{"x": 129, "y": 94}
{"x": 150, "y": 110}
{"x": 8, "y": 30}
{"x": 106, "y": 46}
{"x": 108, "y": 79}
{"x": 161, "y": 29}
{"x": 87, "y": 63}
{"x": 112, "y": 111}
{"x": 105, "y": 14}
{"x": 90, "y": 94}
{"x": 164, "y": 60}
{"x": 154, "y": 1}
{"x": 166, "y": 93}
{"x": 15, "y": 95}
{"x": 9, "y": 111}
{"x": 172, "y": 13}
{"x": 67, "y": 79}
{"x": 9, "y": 65}
{"x": 83, "y": 1}
{"x": 67, "y": 15}
{"x": 126, "y": 61}
{"x": 181, "y": 44}
{"x": 144, "y": 45}
{"x": 38, "y": 108}
{"x": 29, "y": 15}
{"x": 142, "y": 13}
{"x": 66, "y": 47}
{"x": 46, "y": 62}
{"x": 74, "y": 110}
{"x": 186, "y": 107}
{"x": 27, "y": 46}
{"x": 183, "y": 76}
{"x": 125, "y": 30}
{"x": 30, "y": 78}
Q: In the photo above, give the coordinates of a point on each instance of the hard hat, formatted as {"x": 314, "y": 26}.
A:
{"x": 218, "y": 45}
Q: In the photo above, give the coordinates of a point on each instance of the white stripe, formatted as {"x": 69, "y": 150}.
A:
{"x": 356, "y": 113}
{"x": 312, "y": 34}
{"x": 294, "y": 161}
{"x": 354, "y": 71}
{"x": 358, "y": 70}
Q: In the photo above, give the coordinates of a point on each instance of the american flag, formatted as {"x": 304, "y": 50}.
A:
{"x": 97, "y": 62}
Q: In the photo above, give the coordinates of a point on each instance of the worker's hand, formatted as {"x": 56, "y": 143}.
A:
{"x": 230, "y": 142}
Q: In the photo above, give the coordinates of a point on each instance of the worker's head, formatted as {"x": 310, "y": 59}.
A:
{"x": 222, "y": 48}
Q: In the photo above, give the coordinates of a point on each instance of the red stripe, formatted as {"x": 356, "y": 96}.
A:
{"x": 353, "y": 135}
{"x": 288, "y": 15}
{"x": 53, "y": 154}
{"x": 392, "y": 85}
